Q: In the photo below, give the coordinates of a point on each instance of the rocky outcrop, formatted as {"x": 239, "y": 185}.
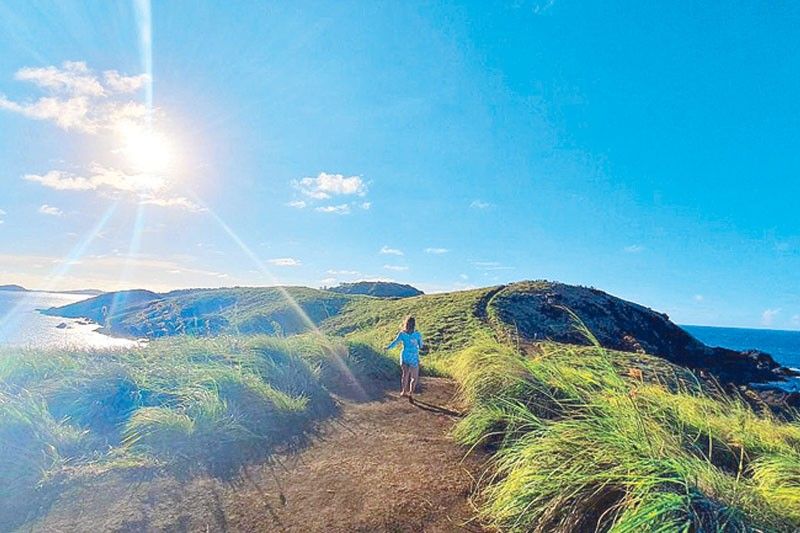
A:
{"x": 543, "y": 310}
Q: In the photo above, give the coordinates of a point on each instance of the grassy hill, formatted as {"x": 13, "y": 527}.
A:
{"x": 381, "y": 289}
{"x": 587, "y": 404}
{"x": 523, "y": 312}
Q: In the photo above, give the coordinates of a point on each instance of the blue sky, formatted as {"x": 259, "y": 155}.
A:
{"x": 648, "y": 150}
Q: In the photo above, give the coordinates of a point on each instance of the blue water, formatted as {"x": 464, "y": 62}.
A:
{"x": 21, "y": 324}
{"x": 783, "y": 346}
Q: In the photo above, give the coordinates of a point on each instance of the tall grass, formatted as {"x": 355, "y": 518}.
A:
{"x": 183, "y": 403}
{"x": 579, "y": 445}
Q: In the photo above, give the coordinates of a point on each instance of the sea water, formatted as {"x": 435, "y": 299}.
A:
{"x": 22, "y": 325}
{"x": 782, "y": 345}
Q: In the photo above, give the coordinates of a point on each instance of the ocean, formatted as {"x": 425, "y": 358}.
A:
{"x": 21, "y": 325}
{"x": 783, "y": 346}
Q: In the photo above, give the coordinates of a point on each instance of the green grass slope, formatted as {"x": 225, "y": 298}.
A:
{"x": 581, "y": 437}
{"x": 182, "y": 404}
{"x": 581, "y": 444}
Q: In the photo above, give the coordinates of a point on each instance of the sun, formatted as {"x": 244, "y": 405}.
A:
{"x": 148, "y": 151}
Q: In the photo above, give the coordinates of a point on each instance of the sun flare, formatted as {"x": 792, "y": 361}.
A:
{"x": 148, "y": 151}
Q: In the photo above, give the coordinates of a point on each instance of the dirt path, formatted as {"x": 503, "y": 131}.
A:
{"x": 382, "y": 465}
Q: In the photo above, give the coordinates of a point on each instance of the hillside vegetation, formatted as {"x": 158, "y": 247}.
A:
{"x": 380, "y": 289}
{"x": 585, "y": 432}
{"x": 522, "y": 312}
{"x": 182, "y": 404}
{"x": 584, "y": 440}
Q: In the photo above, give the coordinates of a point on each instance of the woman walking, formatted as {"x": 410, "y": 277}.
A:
{"x": 409, "y": 359}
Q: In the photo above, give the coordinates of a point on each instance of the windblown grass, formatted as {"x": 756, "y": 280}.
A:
{"x": 581, "y": 446}
{"x": 182, "y": 403}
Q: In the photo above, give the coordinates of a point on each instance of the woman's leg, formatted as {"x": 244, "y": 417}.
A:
{"x": 413, "y": 377}
{"x": 404, "y": 378}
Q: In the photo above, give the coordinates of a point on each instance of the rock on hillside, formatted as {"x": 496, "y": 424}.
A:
{"x": 380, "y": 289}
{"x": 540, "y": 310}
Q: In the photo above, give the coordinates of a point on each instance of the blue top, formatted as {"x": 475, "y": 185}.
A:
{"x": 412, "y": 342}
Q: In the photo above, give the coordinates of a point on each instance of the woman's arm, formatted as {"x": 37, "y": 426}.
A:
{"x": 394, "y": 342}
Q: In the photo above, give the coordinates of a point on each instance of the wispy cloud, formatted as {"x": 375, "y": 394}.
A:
{"x": 284, "y": 262}
{"x": 698, "y": 298}
{"x": 768, "y": 316}
{"x": 436, "y": 251}
{"x": 491, "y": 265}
{"x": 480, "y": 204}
{"x": 341, "y": 209}
{"x": 2, "y": 216}
{"x": 634, "y": 249}
{"x": 796, "y": 320}
{"x": 397, "y": 268}
{"x": 103, "y": 272}
{"x": 297, "y": 204}
{"x": 343, "y": 272}
{"x": 326, "y": 186}
{"x": 177, "y": 201}
{"x": 99, "y": 177}
{"x": 50, "y": 210}
{"x": 386, "y": 250}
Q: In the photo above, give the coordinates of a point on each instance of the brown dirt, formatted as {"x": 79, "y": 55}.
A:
{"x": 382, "y": 465}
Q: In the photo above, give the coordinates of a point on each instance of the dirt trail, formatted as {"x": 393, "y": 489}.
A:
{"x": 382, "y": 465}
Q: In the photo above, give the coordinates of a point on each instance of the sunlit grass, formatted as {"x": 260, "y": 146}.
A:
{"x": 578, "y": 445}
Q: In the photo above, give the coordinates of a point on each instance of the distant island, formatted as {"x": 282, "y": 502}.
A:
{"x": 20, "y": 288}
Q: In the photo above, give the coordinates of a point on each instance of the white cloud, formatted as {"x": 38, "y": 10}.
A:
{"x": 698, "y": 297}
{"x": 297, "y": 204}
{"x": 2, "y": 214}
{"x": 768, "y": 316}
{"x": 73, "y": 77}
{"x": 341, "y": 209}
{"x": 480, "y": 204}
{"x": 343, "y": 272}
{"x": 634, "y": 249}
{"x": 365, "y": 205}
{"x": 99, "y": 177}
{"x": 78, "y": 99}
{"x": 125, "y": 84}
{"x": 102, "y": 178}
{"x": 397, "y": 268}
{"x": 178, "y": 201}
{"x": 326, "y": 186}
{"x": 50, "y": 210}
{"x": 284, "y": 262}
{"x": 390, "y": 251}
{"x": 463, "y": 276}
{"x": 61, "y": 181}
{"x": 436, "y": 251}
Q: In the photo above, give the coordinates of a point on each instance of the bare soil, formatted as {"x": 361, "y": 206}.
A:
{"x": 381, "y": 465}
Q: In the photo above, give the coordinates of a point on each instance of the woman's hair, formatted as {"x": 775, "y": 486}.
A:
{"x": 409, "y": 324}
